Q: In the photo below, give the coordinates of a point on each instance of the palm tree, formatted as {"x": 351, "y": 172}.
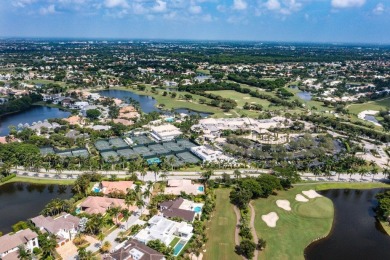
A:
{"x": 115, "y": 211}
{"x": 154, "y": 168}
{"x": 24, "y": 254}
{"x": 105, "y": 247}
{"x": 126, "y": 215}
{"x": 237, "y": 174}
{"x": 140, "y": 204}
{"x": 101, "y": 237}
{"x": 205, "y": 176}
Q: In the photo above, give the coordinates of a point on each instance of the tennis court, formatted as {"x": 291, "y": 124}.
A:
{"x": 185, "y": 143}
{"x": 172, "y": 146}
{"x": 46, "y": 150}
{"x": 187, "y": 157}
{"x": 175, "y": 162}
{"x": 127, "y": 153}
{"x": 142, "y": 139}
{"x": 110, "y": 156}
{"x": 143, "y": 151}
{"x": 82, "y": 153}
{"x": 117, "y": 143}
{"x": 158, "y": 149}
{"x": 102, "y": 145}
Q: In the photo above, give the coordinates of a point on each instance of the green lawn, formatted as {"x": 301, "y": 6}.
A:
{"x": 383, "y": 104}
{"x": 174, "y": 242}
{"x": 220, "y": 233}
{"x": 240, "y": 98}
{"x": 39, "y": 181}
{"x": 295, "y": 229}
{"x": 386, "y": 226}
{"x": 168, "y": 102}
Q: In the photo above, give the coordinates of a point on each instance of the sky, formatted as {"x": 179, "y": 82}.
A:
{"x": 347, "y": 21}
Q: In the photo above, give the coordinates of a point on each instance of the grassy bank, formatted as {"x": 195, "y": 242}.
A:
{"x": 220, "y": 233}
{"x": 386, "y": 227}
{"x": 38, "y": 181}
{"x": 295, "y": 229}
{"x": 168, "y": 102}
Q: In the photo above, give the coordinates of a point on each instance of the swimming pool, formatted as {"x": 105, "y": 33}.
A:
{"x": 198, "y": 209}
{"x": 201, "y": 188}
{"x": 179, "y": 246}
{"x": 96, "y": 189}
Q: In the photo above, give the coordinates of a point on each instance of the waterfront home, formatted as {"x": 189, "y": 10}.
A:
{"x": 65, "y": 226}
{"x": 176, "y": 187}
{"x": 132, "y": 249}
{"x": 96, "y": 205}
{"x": 180, "y": 208}
{"x": 165, "y": 230}
{"x": 9, "y": 243}
{"x": 107, "y": 187}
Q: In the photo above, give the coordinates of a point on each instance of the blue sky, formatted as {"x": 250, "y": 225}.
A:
{"x": 363, "y": 21}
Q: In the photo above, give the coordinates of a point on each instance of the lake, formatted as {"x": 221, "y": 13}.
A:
{"x": 356, "y": 234}
{"x": 20, "y": 201}
{"x": 147, "y": 103}
{"x": 34, "y": 114}
{"x": 304, "y": 95}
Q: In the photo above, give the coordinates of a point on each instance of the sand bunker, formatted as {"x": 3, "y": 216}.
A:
{"x": 246, "y": 98}
{"x": 311, "y": 194}
{"x": 301, "y": 198}
{"x": 284, "y": 204}
{"x": 270, "y": 219}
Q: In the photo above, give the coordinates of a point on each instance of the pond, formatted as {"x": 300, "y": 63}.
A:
{"x": 371, "y": 118}
{"x": 20, "y": 201}
{"x": 34, "y": 114}
{"x": 147, "y": 103}
{"x": 305, "y": 95}
{"x": 356, "y": 234}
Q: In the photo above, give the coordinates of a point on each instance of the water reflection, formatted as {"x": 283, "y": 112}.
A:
{"x": 21, "y": 201}
{"x": 356, "y": 234}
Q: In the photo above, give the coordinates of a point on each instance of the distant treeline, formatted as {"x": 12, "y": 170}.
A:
{"x": 19, "y": 104}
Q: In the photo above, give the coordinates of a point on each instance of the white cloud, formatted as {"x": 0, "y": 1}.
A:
{"x": 284, "y": 7}
{"x": 116, "y": 3}
{"x": 170, "y": 16}
{"x": 195, "y": 9}
{"x": 160, "y": 6}
{"x": 47, "y": 10}
{"x": 22, "y": 3}
{"x": 239, "y": 5}
{"x": 347, "y": 3}
{"x": 379, "y": 9}
{"x": 272, "y": 5}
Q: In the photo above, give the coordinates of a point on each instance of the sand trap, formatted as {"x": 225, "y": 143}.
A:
{"x": 270, "y": 219}
{"x": 311, "y": 194}
{"x": 246, "y": 98}
{"x": 227, "y": 114}
{"x": 284, "y": 204}
{"x": 362, "y": 115}
{"x": 301, "y": 198}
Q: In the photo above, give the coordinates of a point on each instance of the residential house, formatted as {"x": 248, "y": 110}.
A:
{"x": 64, "y": 227}
{"x": 9, "y": 243}
{"x": 180, "y": 208}
{"x": 176, "y": 187}
{"x": 132, "y": 249}
{"x": 108, "y": 187}
{"x": 165, "y": 230}
{"x": 96, "y": 205}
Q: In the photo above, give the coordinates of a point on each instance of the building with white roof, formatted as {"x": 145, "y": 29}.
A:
{"x": 165, "y": 230}
{"x": 166, "y": 132}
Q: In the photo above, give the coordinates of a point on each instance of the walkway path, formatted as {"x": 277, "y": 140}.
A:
{"x": 237, "y": 230}
{"x": 252, "y": 226}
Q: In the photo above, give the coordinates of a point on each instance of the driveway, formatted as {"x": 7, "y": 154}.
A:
{"x": 67, "y": 251}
